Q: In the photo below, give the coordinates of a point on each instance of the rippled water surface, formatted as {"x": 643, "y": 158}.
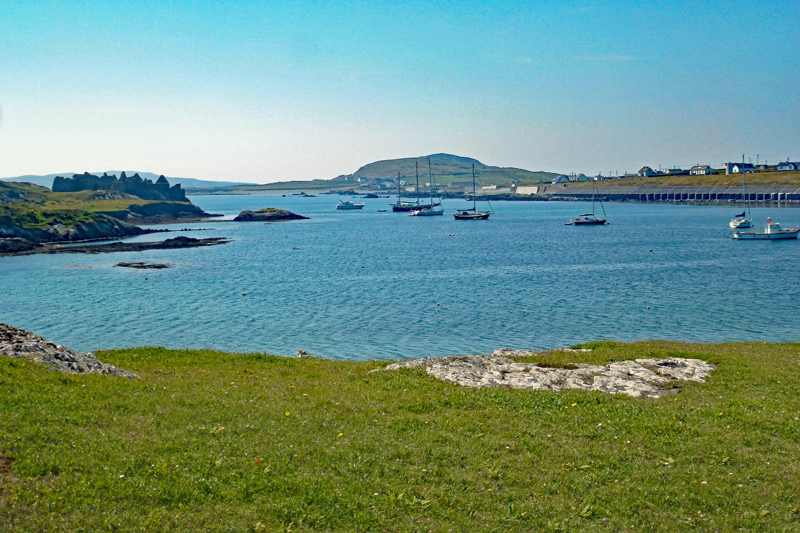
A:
{"x": 366, "y": 284}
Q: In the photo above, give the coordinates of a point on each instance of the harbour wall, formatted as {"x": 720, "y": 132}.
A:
{"x": 685, "y": 194}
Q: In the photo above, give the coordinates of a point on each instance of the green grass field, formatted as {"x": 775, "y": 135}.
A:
{"x": 250, "y": 442}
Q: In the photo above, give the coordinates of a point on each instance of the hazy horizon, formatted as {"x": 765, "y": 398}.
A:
{"x": 263, "y": 92}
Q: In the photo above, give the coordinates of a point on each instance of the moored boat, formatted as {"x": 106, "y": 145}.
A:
{"x": 589, "y": 219}
{"x": 432, "y": 209}
{"x": 744, "y": 220}
{"x": 347, "y": 205}
{"x": 401, "y": 205}
{"x": 772, "y": 231}
{"x": 473, "y": 213}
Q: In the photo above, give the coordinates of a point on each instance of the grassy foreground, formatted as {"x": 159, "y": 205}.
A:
{"x": 249, "y": 442}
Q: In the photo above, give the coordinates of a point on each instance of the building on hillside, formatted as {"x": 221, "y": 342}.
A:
{"x": 701, "y": 170}
{"x": 738, "y": 168}
{"x": 646, "y": 172}
{"x": 581, "y": 177}
{"x": 786, "y": 165}
{"x": 673, "y": 171}
{"x": 563, "y": 178}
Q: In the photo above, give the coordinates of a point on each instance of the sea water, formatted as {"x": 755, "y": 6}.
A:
{"x": 381, "y": 285}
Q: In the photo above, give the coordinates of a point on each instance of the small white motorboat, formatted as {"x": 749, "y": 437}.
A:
{"x": 347, "y": 204}
{"x": 773, "y": 230}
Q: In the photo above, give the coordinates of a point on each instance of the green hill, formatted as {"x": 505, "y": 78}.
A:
{"x": 447, "y": 168}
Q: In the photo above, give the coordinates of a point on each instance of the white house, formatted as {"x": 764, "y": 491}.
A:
{"x": 700, "y": 170}
{"x": 738, "y": 168}
{"x": 646, "y": 172}
{"x": 786, "y": 165}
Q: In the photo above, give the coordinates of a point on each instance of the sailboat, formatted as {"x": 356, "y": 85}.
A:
{"x": 588, "y": 219}
{"x": 401, "y": 205}
{"x": 432, "y": 209}
{"x": 742, "y": 221}
{"x": 472, "y": 214}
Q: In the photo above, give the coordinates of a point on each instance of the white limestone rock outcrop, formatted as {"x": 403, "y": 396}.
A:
{"x": 22, "y": 344}
{"x": 640, "y": 378}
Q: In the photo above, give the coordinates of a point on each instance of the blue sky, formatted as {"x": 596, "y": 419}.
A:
{"x": 268, "y": 91}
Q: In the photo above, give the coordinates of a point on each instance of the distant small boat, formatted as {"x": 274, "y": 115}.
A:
{"x": 406, "y": 206}
{"x": 742, "y": 221}
{"x": 472, "y": 214}
{"x": 588, "y": 219}
{"x": 347, "y": 204}
{"x": 432, "y": 209}
{"x": 427, "y": 211}
{"x": 772, "y": 230}
{"x": 381, "y": 210}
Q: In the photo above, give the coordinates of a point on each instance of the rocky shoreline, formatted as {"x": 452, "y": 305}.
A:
{"x": 106, "y": 248}
{"x": 21, "y": 344}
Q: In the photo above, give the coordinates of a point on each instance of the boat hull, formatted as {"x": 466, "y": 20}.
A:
{"x": 471, "y": 216}
{"x": 587, "y": 222}
{"x": 426, "y": 213}
{"x": 741, "y": 223}
{"x": 404, "y": 207}
{"x": 742, "y": 235}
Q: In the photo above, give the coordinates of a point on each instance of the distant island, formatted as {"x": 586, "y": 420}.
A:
{"x": 269, "y": 214}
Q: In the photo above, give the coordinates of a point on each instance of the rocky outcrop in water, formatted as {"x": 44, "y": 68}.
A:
{"x": 21, "y": 344}
{"x": 640, "y": 378}
{"x": 134, "y": 185}
{"x": 114, "y": 247}
{"x": 269, "y": 214}
{"x": 14, "y": 237}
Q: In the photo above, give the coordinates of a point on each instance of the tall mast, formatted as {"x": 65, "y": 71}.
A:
{"x": 416, "y": 169}
{"x": 473, "y": 187}
{"x": 398, "y": 187}
{"x": 430, "y": 177}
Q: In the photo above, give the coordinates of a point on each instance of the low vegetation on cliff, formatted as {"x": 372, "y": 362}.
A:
{"x": 215, "y": 441}
{"x": 30, "y": 215}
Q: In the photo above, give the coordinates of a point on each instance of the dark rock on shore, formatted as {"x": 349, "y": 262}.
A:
{"x": 142, "y": 265}
{"x": 21, "y": 344}
{"x": 269, "y": 214}
{"x": 169, "y": 244}
{"x": 14, "y": 245}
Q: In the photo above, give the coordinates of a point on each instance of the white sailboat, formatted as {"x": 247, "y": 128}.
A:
{"x": 744, "y": 220}
{"x": 432, "y": 209}
{"x": 589, "y": 219}
{"x": 472, "y": 214}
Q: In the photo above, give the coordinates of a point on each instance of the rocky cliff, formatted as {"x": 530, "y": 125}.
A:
{"x": 23, "y": 232}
